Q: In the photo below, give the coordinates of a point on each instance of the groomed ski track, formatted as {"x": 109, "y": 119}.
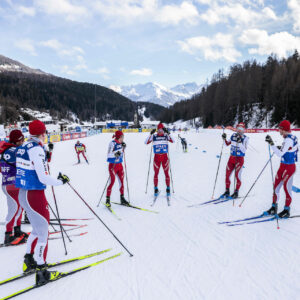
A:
{"x": 181, "y": 253}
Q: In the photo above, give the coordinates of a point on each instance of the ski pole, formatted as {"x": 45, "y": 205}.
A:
{"x": 103, "y": 191}
{"x": 100, "y": 219}
{"x": 58, "y": 218}
{"x": 213, "y": 193}
{"x": 61, "y": 225}
{"x": 148, "y": 171}
{"x": 256, "y": 180}
{"x": 171, "y": 173}
{"x": 271, "y": 164}
{"x": 126, "y": 176}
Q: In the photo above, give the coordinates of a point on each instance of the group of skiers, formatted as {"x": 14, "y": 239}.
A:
{"x": 25, "y": 176}
{"x": 288, "y": 153}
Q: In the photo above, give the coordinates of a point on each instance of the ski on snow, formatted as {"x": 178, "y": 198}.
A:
{"x": 69, "y": 229}
{"x": 87, "y": 219}
{"x": 112, "y": 211}
{"x": 72, "y": 235}
{"x": 136, "y": 207}
{"x": 61, "y": 275}
{"x": 51, "y": 265}
{"x": 155, "y": 198}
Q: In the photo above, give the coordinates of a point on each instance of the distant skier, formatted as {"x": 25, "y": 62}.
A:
{"x": 239, "y": 145}
{"x": 183, "y": 143}
{"x": 32, "y": 179}
{"x": 13, "y": 233}
{"x": 284, "y": 177}
{"x": 80, "y": 149}
{"x": 115, "y": 167}
{"x": 161, "y": 149}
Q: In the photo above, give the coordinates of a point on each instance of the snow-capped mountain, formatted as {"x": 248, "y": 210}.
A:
{"x": 157, "y": 93}
{"x": 10, "y": 65}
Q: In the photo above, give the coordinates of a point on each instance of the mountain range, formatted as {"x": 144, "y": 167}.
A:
{"x": 156, "y": 93}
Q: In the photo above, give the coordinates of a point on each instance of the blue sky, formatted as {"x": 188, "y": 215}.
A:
{"x": 121, "y": 42}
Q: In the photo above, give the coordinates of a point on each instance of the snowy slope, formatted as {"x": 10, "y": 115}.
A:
{"x": 157, "y": 93}
{"x": 181, "y": 253}
{"x": 10, "y": 65}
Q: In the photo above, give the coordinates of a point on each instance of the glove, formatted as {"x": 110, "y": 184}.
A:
{"x": 124, "y": 145}
{"x": 152, "y": 131}
{"x": 269, "y": 140}
{"x": 279, "y": 147}
{"x": 166, "y": 130}
{"x": 50, "y": 146}
{"x": 118, "y": 154}
{"x": 63, "y": 178}
{"x": 224, "y": 135}
{"x": 238, "y": 139}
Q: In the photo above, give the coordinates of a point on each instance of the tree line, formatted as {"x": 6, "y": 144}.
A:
{"x": 62, "y": 98}
{"x": 251, "y": 92}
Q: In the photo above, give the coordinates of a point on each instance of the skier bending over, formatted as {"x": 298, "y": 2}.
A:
{"x": 183, "y": 143}
{"x": 160, "y": 142}
{"x": 239, "y": 144}
{"x": 115, "y": 167}
{"x": 288, "y": 153}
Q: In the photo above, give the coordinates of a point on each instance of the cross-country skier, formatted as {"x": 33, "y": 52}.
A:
{"x": 32, "y": 179}
{"x": 239, "y": 143}
{"x": 80, "y": 149}
{"x": 13, "y": 233}
{"x": 115, "y": 167}
{"x": 288, "y": 153}
{"x": 160, "y": 142}
{"x": 183, "y": 143}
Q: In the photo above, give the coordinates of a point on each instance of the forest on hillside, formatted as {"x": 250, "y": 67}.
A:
{"x": 63, "y": 98}
{"x": 269, "y": 89}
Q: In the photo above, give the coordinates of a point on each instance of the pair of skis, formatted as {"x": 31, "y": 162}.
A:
{"x": 254, "y": 220}
{"x": 61, "y": 275}
{"x": 156, "y": 197}
{"x": 129, "y": 206}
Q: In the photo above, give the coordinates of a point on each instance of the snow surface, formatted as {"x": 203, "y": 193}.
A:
{"x": 181, "y": 253}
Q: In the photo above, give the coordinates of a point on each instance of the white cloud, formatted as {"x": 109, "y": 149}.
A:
{"x": 25, "y": 10}
{"x": 52, "y": 44}
{"x": 236, "y": 12}
{"x": 294, "y": 6}
{"x": 61, "y": 49}
{"x": 116, "y": 88}
{"x": 26, "y": 45}
{"x": 67, "y": 70}
{"x": 174, "y": 14}
{"x": 220, "y": 46}
{"x": 65, "y": 8}
{"x": 142, "y": 72}
{"x": 280, "y": 43}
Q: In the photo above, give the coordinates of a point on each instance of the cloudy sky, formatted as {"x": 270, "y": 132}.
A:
{"x": 124, "y": 42}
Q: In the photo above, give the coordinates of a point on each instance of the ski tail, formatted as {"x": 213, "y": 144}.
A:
{"x": 136, "y": 207}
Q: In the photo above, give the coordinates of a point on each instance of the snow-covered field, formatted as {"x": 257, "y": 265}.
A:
{"x": 180, "y": 253}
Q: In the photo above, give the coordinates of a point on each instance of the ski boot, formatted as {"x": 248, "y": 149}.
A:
{"x": 19, "y": 232}
{"x": 29, "y": 263}
{"x": 9, "y": 238}
{"x": 285, "y": 213}
{"x": 87, "y": 161}
{"x": 225, "y": 195}
{"x": 123, "y": 201}
{"x": 272, "y": 211}
{"x": 168, "y": 191}
{"x": 107, "y": 203}
{"x": 235, "y": 194}
{"x": 156, "y": 191}
{"x": 78, "y": 161}
{"x": 43, "y": 276}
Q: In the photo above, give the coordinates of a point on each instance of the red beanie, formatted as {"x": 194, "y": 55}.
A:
{"x": 15, "y": 136}
{"x": 118, "y": 134}
{"x": 160, "y": 126}
{"x": 241, "y": 125}
{"x": 285, "y": 125}
{"x": 37, "y": 127}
